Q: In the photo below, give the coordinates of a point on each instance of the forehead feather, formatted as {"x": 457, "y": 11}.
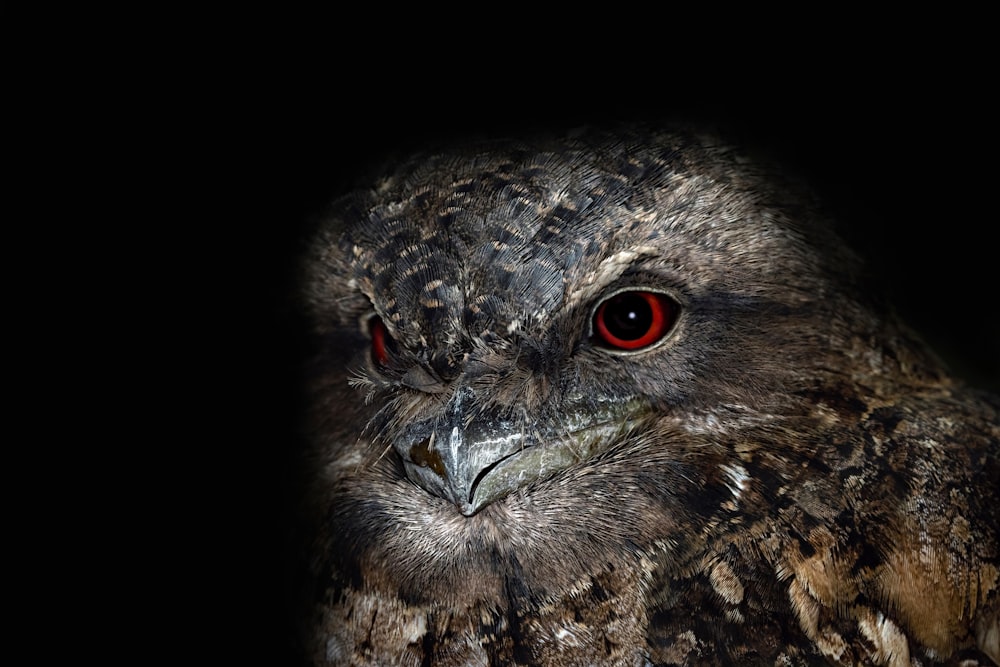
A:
{"x": 507, "y": 232}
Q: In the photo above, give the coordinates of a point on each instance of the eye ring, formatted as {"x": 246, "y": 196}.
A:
{"x": 632, "y": 320}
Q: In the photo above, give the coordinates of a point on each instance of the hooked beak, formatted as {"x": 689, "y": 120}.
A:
{"x": 475, "y": 460}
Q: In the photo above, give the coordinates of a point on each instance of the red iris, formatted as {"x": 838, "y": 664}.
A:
{"x": 634, "y": 320}
{"x": 381, "y": 340}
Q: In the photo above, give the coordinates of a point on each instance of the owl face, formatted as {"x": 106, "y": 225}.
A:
{"x": 524, "y": 311}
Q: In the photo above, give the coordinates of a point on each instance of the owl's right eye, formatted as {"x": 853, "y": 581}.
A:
{"x": 633, "y": 320}
{"x": 383, "y": 345}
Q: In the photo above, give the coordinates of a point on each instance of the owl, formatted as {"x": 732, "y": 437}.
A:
{"x": 622, "y": 397}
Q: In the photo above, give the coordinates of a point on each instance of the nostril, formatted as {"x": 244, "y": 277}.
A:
{"x": 425, "y": 457}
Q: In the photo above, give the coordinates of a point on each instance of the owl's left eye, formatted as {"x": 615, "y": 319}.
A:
{"x": 383, "y": 345}
{"x": 634, "y": 320}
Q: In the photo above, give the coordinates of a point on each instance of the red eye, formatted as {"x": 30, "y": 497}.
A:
{"x": 382, "y": 342}
{"x": 633, "y": 320}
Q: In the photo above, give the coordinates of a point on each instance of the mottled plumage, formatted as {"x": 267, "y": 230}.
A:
{"x": 783, "y": 475}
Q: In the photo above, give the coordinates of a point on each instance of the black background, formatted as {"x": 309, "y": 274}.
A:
{"x": 179, "y": 161}
{"x": 903, "y": 150}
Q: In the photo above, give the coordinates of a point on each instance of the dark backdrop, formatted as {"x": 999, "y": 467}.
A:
{"x": 905, "y": 157}
{"x": 218, "y": 135}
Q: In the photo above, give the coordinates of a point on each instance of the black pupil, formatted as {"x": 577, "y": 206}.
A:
{"x": 628, "y": 316}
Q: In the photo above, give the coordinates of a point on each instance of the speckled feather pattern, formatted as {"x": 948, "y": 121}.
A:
{"x": 804, "y": 483}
